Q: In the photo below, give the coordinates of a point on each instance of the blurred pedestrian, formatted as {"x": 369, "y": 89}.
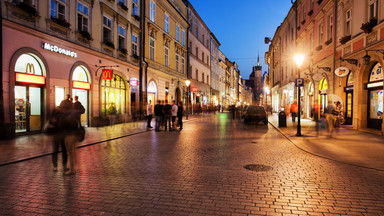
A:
{"x": 180, "y": 110}
{"x": 69, "y": 128}
{"x": 112, "y": 114}
{"x": 294, "y": 109}
{"x": 330, "y": 111}
{"x": 174, "y": 115}
{"x": 158, "y": 113}
{"x": 58, "y": 139}
{"x": 315, "y": 115}
{"x": 149, "y": 114}
{"x": 167, "y": 115}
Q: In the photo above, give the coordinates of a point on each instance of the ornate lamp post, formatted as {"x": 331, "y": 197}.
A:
{"x": 299, "y": 59}
{"x": 187, "y": 83}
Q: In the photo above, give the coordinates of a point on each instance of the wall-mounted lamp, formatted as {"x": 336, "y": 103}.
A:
{"x": 350, "y": 61}
{"x": 367, "y": 58}
{"x": 328, "y": 69}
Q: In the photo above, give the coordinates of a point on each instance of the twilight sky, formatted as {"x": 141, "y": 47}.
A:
{"x": 240, "y": 26}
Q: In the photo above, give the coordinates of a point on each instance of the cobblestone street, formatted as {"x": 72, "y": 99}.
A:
{"x": 198, "y": 171}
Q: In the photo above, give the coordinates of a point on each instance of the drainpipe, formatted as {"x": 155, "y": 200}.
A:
{"x": 188, "y": 61}
{"x": 142, "y": 59}
{"x": 3, "y": 131}
{"x": 334, "y": 44}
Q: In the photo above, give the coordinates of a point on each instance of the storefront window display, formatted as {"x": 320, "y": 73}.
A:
{"x": 80, "y": 88}
{"x": 29, "y": 81}
{"x": 113, "y": 96}
{"x": 323, "y": 98}
{"x": 376, "y": 92}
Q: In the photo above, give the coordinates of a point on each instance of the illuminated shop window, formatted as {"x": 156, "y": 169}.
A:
{"x": 113, "y": 96}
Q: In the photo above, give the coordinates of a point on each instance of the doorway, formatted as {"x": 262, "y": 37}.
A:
{"x": 83, "y": 98}
{"x": 28, "y": 102}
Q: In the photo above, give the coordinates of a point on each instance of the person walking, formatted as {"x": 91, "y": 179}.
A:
{"x": 149, "y": 114}
{"x": 174, "y": 115}
{"x": 78, "y": 109}
{"x": 294, "y": 110}
{"x": 58, "y": 140}
{"x": 167, "y": 115}
{"x": 330, "y": 111}
{"x": 180, "y": 110}
{"x": 158, "y": 113}
{"x": 68, "y": 129}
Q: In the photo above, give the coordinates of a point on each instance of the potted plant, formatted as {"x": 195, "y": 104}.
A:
{"x": 345, "y": 39}
{"x": 85, "y": 34}
{"x": 123, "y": 6}
{"x": 302, "y": 22}
{"x": 319, "y": 2}
{"x": 61, "y": 22}
{"x": 328, "y": 42}
{"x": 27, "y": 8}
{"x": 123, "y": 50}
{"x": 136, "y": 17}
{"x": 368, "y": 26}
{"x": 310, "y": 13}
{"x": 109, "y": 43}
{"x": 135, "y": 56}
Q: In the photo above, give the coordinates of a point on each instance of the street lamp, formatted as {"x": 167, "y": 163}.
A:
{"x": 299, "y": 59}
{"x": 187, "y": 82}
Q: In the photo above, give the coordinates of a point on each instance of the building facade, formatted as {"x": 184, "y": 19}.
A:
{"x": 165, "y": 52}
{"x": 199, "y": 57}
{"x": 50, "y": 53}
{"x": 343, "y": 41}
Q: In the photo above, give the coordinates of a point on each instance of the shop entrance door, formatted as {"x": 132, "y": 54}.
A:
{"x": 83, "y": 98}
{"x": 348, "y": 109}
{"x": 27, "y": 109}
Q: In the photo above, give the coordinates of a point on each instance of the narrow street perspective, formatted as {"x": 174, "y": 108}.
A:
{"x": 192, "y": 107}
{"x": 215, "y": 166}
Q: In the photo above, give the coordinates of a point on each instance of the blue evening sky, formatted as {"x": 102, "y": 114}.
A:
{"x": 240, "y": 26}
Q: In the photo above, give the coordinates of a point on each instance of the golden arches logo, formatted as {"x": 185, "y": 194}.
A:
{"x": 31, "y": 68}
{"x": 82, "y": 77}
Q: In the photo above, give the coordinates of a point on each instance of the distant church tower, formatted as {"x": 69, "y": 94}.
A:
{"x": 257, "y": 78}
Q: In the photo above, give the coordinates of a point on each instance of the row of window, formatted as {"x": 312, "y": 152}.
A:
{"x": 202, "y": 77}
{"x": 180, "y": 33}
{"x": 178, "y": 56}
{"x": 58, "y": 12}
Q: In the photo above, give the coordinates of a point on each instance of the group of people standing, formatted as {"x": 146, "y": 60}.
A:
{"x": 165, "y": 115}
{"x": 64, "y": 126}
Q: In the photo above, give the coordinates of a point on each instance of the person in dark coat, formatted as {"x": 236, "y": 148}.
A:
{"x": 158, "y": 113}
{"x": 58, "y": 140}
{"x": 168, "y": 115}
{"x": 78, "y": 109}
{"x": 180, "y": 115}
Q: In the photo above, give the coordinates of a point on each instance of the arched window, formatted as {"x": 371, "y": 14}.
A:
{"x": 113, "y": 95}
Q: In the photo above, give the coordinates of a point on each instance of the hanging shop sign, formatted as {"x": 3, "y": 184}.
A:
{"x": 30, "y": 79}
{"x": 81, "y": 85}
{"x": 107, "y": 74}
{"x": 193, "y": 89}
{"x": 60, "y": 50}
{"x": 375, "y": 84}
{"x": 133, "y": 82}
{"x": 341, "y": 71}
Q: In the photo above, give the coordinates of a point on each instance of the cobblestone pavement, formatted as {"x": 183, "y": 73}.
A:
{"x": 198, "y": 171}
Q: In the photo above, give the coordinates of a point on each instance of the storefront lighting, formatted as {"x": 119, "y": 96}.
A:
{"x": 30, "y": 79}
{"x": 81, "y": 85}
{"x": 373, "y": 85}
{"x": 367, "y": 58}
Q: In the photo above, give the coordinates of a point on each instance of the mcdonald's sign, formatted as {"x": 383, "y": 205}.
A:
{"x": 81, "y": 85}
{"x": 31, "y": 68}
{"x": 30, "y": 79}
{"x": 107, "y": 74}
